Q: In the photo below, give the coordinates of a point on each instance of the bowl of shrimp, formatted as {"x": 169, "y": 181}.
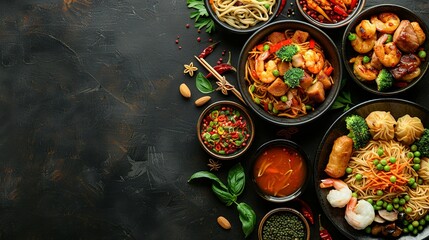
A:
{"x": 242, "y": 17}
{"x": 330, "y": 13}
{"x": 289, "y": 72}
{"x": 376, "y": 189}
{"x": 384, "y": 49}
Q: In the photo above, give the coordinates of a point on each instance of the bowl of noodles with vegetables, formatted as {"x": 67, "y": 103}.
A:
{"x": 371, "y": 171}
{"x": 289, "y": 72}
{"x": 384, "y": 49}
{"x": 242, "y": 16}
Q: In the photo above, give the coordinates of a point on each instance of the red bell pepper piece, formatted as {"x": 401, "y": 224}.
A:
{"x": 312, "y": 43}
{"x": 275, "y": 47}
{"x": 329, "y": 70}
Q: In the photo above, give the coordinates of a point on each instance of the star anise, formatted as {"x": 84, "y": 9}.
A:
{"x": 214, "y": 165}
{"x": 190, "y": 69}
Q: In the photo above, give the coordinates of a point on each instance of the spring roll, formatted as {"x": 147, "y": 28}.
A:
{"x": 339, "y": 157}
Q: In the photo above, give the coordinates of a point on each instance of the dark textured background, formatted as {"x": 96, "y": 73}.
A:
{"x": 96, "y": 141}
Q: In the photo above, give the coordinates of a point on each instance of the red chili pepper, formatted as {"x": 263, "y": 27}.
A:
{"x": 323, "y": 233}
{"x": 277, "y": 46}
{"x": 223, "y": 67}
{"x": 312, "y": 43}
{"x": 329, "y": 70}
{"x": 306, "y": 210}
{"x": 353, "y": 4}
{"x": 340, "y": 11}
{"x": 206, "y": 51}
{"x": 282, "y": 5}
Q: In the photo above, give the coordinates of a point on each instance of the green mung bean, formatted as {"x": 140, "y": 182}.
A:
{"x": 283, "y": 226}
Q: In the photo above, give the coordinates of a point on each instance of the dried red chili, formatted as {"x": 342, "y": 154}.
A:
{"x": 223, "y": 67}
{"x": 206, "y": 51}
{"x": 323, "y": 233}
{"x": 282, "y": 5}
{"x": 340, "y": 11}
{"x": 306, "y": 210}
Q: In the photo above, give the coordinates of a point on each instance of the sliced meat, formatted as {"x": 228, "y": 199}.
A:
{"x": 283, "y": 67}
{"x": 408, "y": 64}
{"x": 276, "y": 37}
{"x": 278, "y": 88}
{"x": 324, "y": 79}
{"x": 405, "y": 37}
{"x": 306, "y": 81}
{"x": 316, "y": 92}
{"x": 300, "y": 36}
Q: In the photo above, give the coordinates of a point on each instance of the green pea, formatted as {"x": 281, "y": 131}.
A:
{"x": 415, "y": 223}
{"x": 385, "y": 204}
{"x": 410, "y": 227}
{"x": 427, "y": 218}
{"x": 420, "y": 181}
{"x": 308, "y": 107}
{"x": 349, "y": 170}
{"x": 392, "y": 159}
{"x": 422, "y": 222}
{"x": 380, "y": 152}
{"x": 368, "y": 230}
{"x": 379, "y": 203}
{"x": 396, "y": 200}
{"x": 407, "y": 197}
{"x": 366, "y": 59}
{"x": 380, "y": 167}
{"x": 395, "y": 206}
{"x": 402, "y": 201}
{"x": 257, "y": 100}
{"x": 405, "y": 222}
{"x": 276, "y": 73}
{"x": 352, "y": 36}
{"x": 275, "y": 111}
{"x": 414, "y": 185}
{"x": 386, "y": 168}
{"x": 266, "y": 47}
{"x": 410, "y": 155}
{"x": 411, "y": 181}
{"x": 401, "y": 209}
{"x": 283, "y": 98}
{"x": 419, "y": 228}
{"x": 405, "y": 230}
{"x": 416, "y": 166}
{"x": 422, "y": 54}
{"x": 371, "y": 201}
{"x": 414, "y": 147}
{"x": 376, "y": 162}
{"x": 408, "y": 210}
{"x": 252, "y": 88}
{"x": 389, "y": 207}
{"x": 379, "y": 192}
{"x": 383, "y": 162}
{"x": 267, "y": 6}
{"x": 358, "y": 176}
{"x": 389, "y": 38}
{"x": 392, "y": 179}
{"x": 354, "y": 194}
{"x": 377, "y": 207}
{"x": 417, "y": 154}
{"x": 416, "y": 159}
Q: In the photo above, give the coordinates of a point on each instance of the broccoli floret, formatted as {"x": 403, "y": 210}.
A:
{"x": 293, "y": 77}
{"x": 285, "y": 53}
{"x": 384, "y": 80}
{"x": 358, "y": 130}
{"x": 423, "y": 143}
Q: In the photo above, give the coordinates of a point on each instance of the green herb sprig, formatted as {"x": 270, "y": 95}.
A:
{"x": 229, "y": 193}
{"x": 343, "y": 101}
{"x": 200, "y": 15}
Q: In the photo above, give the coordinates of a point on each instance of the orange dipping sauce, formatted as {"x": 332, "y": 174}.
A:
{"x": 279, "y": 171}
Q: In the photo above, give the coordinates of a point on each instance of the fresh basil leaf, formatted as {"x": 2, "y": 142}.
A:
{"x": 209, "y": 175}
{"x": 236, "y": 179}
{"x": 247, "y": 218}
{"x": 224, "y": 196}
{"x": 203, "y": 84}
{"x": 337, "y": 105}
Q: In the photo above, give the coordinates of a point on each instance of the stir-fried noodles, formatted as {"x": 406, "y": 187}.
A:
{"x": 288, "y": 74}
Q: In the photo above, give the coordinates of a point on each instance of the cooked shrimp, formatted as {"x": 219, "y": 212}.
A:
{"x": 365, "y": 29}
{"x": 361, "y": 45}
{"x": 375, "y": 62}
{"x": 364, "y": 72}
{"x": 386, "y": 22}
{"x": 359, "y": 215}
{"x": 340, "y": 195}
{"x": 313, "y": 61}
{"x": 388, "y": 54}
{"x": 421, "y": 36}
{"x": 264, "y": 71}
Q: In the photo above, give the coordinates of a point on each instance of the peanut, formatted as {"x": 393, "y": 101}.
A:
{"x": 223, "y": 222}
{"x": 184, "y": 90}
{"x": 202, "y": 100}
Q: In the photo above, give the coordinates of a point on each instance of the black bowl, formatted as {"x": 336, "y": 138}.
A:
{"x": 348, "y": 51}
{"x": 398, "y": 108}
{"x": 331, "y": 53}
{"x": 233, "y": 29}
{"x": 287, "y": 144}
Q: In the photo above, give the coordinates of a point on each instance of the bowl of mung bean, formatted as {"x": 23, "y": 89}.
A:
{"x": 283, "y": 223}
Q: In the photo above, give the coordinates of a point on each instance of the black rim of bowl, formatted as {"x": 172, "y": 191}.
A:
{"x": 283, "y": 210}
{"x": 286, "y": 143}
{"x": 348, "y": 52}
{"x": 331, "y": 53}
{"x": 357, "y": 10}
{"x": 331, "y": 134}
{"x": 249, "y": 30}
{"x": 250, "y": 126}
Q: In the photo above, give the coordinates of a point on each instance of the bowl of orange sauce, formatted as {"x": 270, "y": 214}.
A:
{"x": 280, "y": 169}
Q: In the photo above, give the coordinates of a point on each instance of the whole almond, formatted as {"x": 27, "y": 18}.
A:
{"x": 184, "y": 90}
{"x": 202, "y": 100}
{"x": 223, "y": 222}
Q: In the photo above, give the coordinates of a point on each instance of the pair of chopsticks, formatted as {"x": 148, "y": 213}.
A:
{"x": 223, "y": 84}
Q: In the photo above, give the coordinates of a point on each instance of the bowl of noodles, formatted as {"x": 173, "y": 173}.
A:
{"x": 384, "y": 49}
{"x": 289, "y": 72}
{"x": 375, "y": 183}
{"x": 242, "y": 17}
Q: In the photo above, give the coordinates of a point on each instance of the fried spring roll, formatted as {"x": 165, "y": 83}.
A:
{"x": 339, "y": 157}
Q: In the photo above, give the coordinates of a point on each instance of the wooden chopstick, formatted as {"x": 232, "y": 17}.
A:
{"x": 220, "y": 78}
